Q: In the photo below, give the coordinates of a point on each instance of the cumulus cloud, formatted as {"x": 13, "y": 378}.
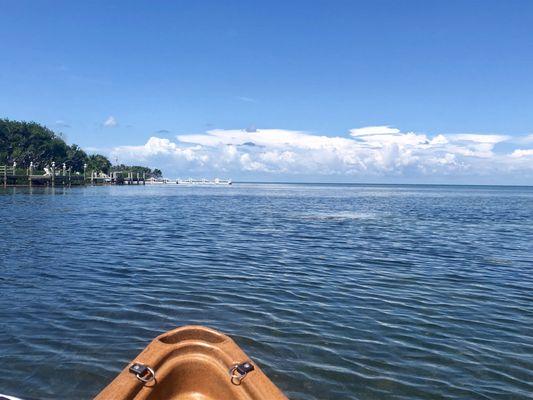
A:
{"x": 522, "y": 153}
{"x": 110, "y": 122}
{"x": 371, "y": 153}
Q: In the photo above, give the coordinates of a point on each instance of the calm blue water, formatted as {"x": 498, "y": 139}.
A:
{"x": 339, "y": 292}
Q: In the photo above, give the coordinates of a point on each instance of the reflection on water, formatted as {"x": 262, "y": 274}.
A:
{"x": 339, "y": 292}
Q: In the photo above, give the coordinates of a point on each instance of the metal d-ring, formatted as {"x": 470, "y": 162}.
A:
{"x": 239, "y": 371}
{"x": 143, "y": 372}
{"x": 148, "y": 377}
{"x": 235, "y": 376}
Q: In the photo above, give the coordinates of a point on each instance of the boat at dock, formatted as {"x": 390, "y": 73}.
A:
{"x": 216, "y": 181}
{"x": 190, "y": 363}
{"x": 158, "y": 181}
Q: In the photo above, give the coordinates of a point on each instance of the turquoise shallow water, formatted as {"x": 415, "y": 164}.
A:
{"x": 338, "y": 292}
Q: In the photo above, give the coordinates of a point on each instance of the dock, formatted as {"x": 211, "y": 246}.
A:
{"x": 13, "y": 176}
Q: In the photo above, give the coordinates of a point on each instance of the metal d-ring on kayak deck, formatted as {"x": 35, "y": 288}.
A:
{"x": 142, "y": 372}
{"x": 239, "y": 371}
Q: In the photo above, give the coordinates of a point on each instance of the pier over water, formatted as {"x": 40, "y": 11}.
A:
{"x": 13, "y": 176}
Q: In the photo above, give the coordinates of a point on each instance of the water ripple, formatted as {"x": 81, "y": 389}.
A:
{"x": 355, "y": 292}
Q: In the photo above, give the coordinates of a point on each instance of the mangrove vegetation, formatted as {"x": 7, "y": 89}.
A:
{"x": 29, "y": 142}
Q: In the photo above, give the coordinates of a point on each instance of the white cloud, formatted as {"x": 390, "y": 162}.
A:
{"x": 528, "y": 139}
{"x": 470, "y": 137}
{"x": 373, "y": 153}
{"x": 246, "y": 99}
{"x": 110, "y": 122}
{"x": 62, "y": 124}
{"x": 374, "y": 130}
{"x": 522, "y": 153}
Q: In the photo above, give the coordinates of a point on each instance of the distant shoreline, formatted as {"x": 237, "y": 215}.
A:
{"x": 380, "y": 184}
{"x": 427, "y": 185}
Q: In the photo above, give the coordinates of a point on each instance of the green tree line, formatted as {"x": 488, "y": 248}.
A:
{"x": 26, "y": 142}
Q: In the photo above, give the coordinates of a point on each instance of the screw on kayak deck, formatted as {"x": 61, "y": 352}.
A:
{"x": 239, "y": 371}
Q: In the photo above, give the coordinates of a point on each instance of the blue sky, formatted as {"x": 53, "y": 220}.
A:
{"x": 138, "y": 80}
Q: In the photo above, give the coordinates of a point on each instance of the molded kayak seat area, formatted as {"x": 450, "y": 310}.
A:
{"x": 192, "y": 363}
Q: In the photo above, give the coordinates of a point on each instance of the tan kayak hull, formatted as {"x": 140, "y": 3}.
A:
{"x": 192, "y": 363}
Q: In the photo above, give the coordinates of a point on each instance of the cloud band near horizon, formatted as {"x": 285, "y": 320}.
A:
{"x": 375, "y": 153}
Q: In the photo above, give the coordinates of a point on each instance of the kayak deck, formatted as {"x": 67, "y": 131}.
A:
{"x": 192, "y": 363}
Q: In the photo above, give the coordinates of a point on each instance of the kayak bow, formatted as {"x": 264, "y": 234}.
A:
{"x": 192, "y": 362}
